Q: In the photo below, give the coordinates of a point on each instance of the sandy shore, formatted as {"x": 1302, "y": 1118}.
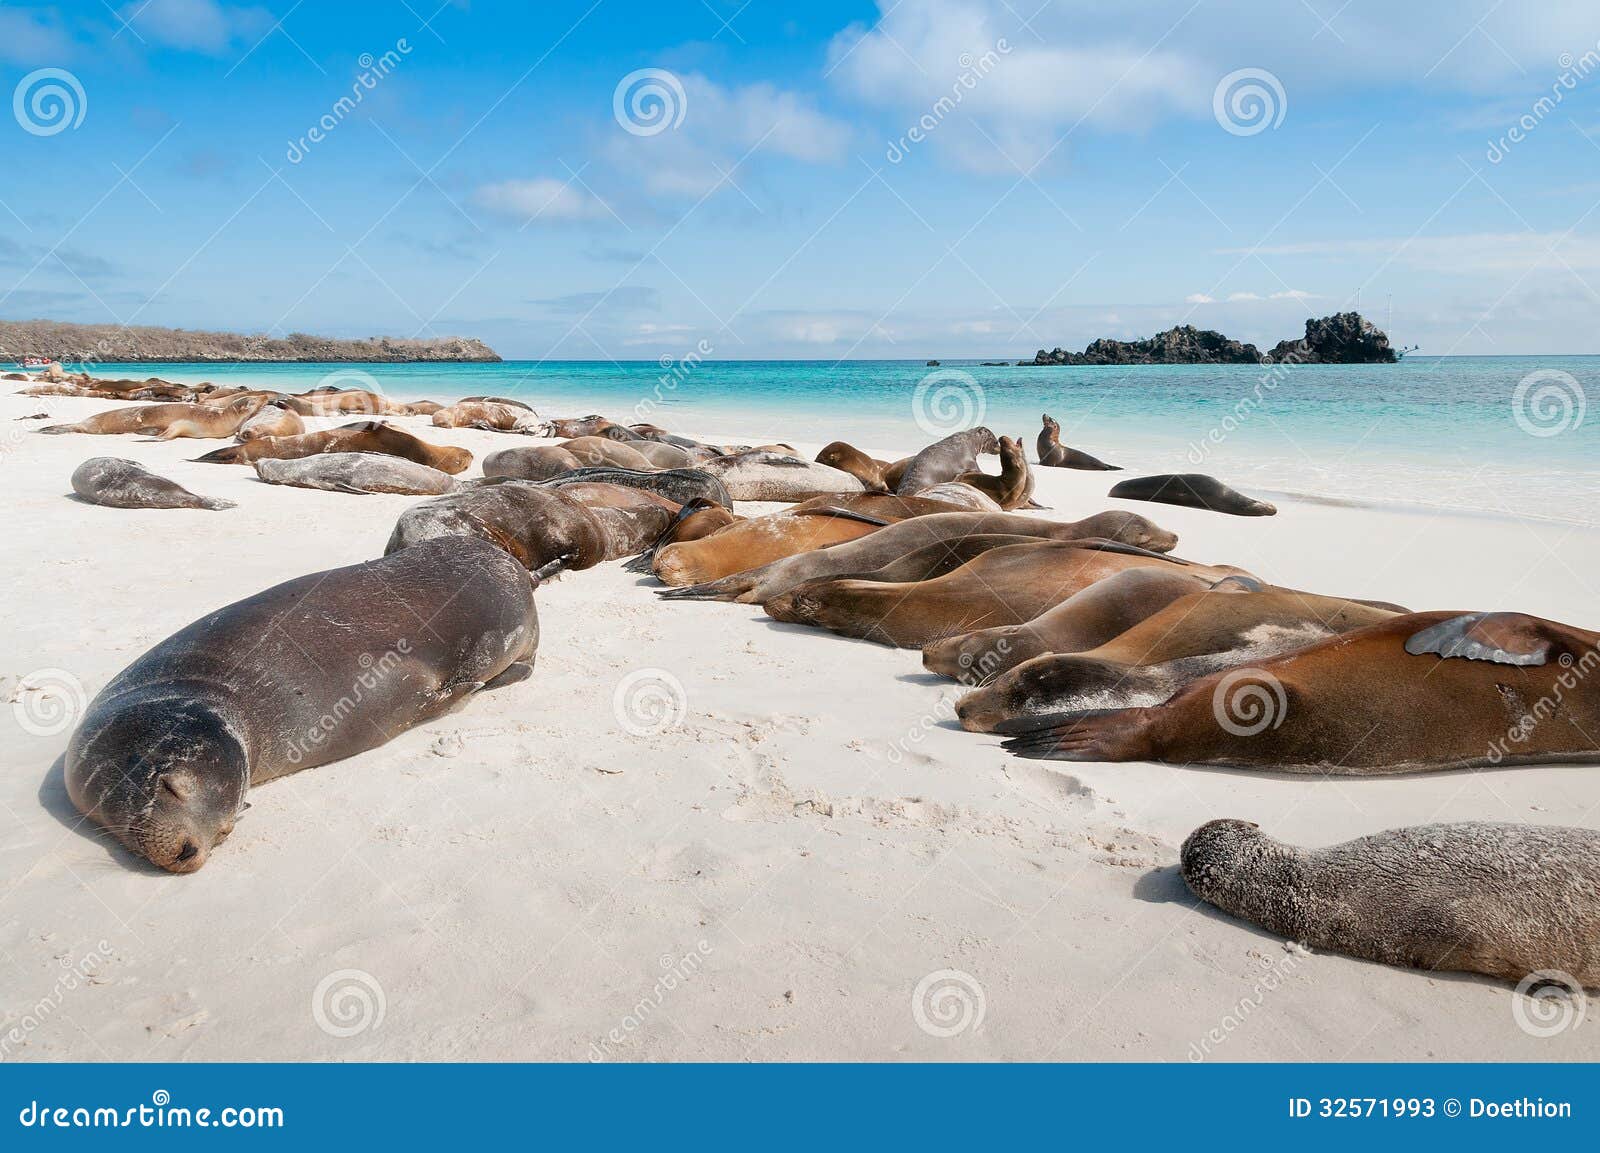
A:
{"x": 769, "y": 879}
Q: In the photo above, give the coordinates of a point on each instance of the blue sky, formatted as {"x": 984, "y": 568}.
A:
{"x": 1080, "y": 172}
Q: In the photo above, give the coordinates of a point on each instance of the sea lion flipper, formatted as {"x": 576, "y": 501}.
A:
{"x": 843, "y": 514}
{"x": 1239, "y": 583}
{"x": 1504, "y": 638}
{"x": 1089, "y": 735}
{"x": 517, "y": 671}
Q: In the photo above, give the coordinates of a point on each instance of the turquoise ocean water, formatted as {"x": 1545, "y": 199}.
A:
{"x": 1492, "y": 434}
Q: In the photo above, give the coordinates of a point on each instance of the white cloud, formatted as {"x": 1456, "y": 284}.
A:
{"x": 541, "y": 199}
{"x": 1199, "y": 298}
{"x": 195, "y": 25}
{"x": 32, "y": 37}
{"x": 1235, "y": 297}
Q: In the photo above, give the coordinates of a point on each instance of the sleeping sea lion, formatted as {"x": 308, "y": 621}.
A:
{"x": 119, "y": 483}
{"x": 1057, "y": 455}
{"x": 1198, "y": 634}
{"x": 1192, "y": 490}
{"x": 492, "y": 415}
{"x": 363, "y": 436}
{"x": 1509, "y": 900}
{"x": 530, "y": 462}
{"x": 309, "y": 671}
{"x": 679, "y": 485}
{"x": 357, "y": 472}
{"x": 1415, "y": 693}
{"x": 1013, "y": 488}
{"x": 272, "y": 420}
{"x": 569, "y": 428}
{"x": 331, "y": 401}
{"x": 945, "y": 460}
{"x": 756, "y": 584}
{"x": 166, "y": 421}
{"x": 594, "y": 451}
{"x": 776, "y": 476}
{"x": 661, "y": 455}
{"x": 960, "y": 495}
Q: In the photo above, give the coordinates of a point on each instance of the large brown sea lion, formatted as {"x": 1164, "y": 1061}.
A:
{"x": 1192, "y": 490}
{"x": 594, "y": 451}
{"x": 1416, "y": 693}
{"x": 364, "y": 436}
{"x": 754, "y": 585}
{"x": 486, "y": 414}
{"x": 848, "y": 458}
{"x": 1088, "y": 618}
{"x": 530, "y": 462}
{"x": 119, "y": 483}
{"x": 959, "y": 495}
{"x": 1513, "y": 901}
{"x": 777, "y": 476}
{"x": 1013, "y": 488}
{"x": 1236, "y": 623}
{"x": 1005, "y": 585}
{"x": 310, "y": 671}
{"x": 166, "y": 421}
{"x": 357, "y": 472}
{"x": 944, "y": 460}
{"x": 569, "y": 428}
{"x": 271, "y": 420}
{"x": 1057, "y": 455}
{"x": 345, "y": 402}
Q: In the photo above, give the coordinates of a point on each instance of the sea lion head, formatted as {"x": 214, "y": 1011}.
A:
{"x": 1129, "y": 528}
{"x": 1051, "y": 426}
{"x": 1235, "y": 866}
{"x": 165, "y": 777}
{"x": 1050, "y": 683}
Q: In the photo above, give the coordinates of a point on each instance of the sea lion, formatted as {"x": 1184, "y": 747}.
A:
{"x": 363, "y": 436}
{"x": 697, "y": 519}
{"x": 272, "y": 420}
{"x": 753, "y": 585}
{"x": 662, "y": 436}
{"x": 1006, "y": 585}
{"x": 357, "y": 472}
{"x": 1057, "y": 455}
{"x": 945, "y": 460}
{"x": 530, "y": 462}
{"x": 165, "y": 421}
{"x": 775, "y": 476}
{"x": 1192, "y": 490}
{"x": 661, "y": 455}
{"x": 1415, "y": 693}
{"x": 1085, "y": 619}
{"x": 596, "y": 451}
{"x": 510, "y": 402}
{"x": 421, "y": 407}
{"x": 1225, "y": 627}
{"x": 119, "y": 483}
{"x": 486, "y": 414}
{"x": 547, "y": 531}
{"x": 1013, "y": 488}
{"x": 960, "y": 495}
{"x": 1508, "y": 900}
{"x": 569, "y": 428}
{"x": 679, "y": 485}
{"x": 343, "y": 402}
{"x": 633, "y": 518}
{"x": 309, "y": 671}
{"x": 848, "y": 458}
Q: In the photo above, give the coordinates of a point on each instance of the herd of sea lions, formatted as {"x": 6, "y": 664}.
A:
{"x": 1086, "y": 640}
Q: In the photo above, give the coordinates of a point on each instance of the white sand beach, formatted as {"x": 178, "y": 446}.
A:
{"x": 773, "y": 877}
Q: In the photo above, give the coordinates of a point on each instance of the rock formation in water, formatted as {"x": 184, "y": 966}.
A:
{"x": 1345, "y": 338}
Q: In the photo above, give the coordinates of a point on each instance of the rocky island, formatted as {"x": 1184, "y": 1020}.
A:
{"x": 1344, "y": 338}
{"x": 90, "y": 343}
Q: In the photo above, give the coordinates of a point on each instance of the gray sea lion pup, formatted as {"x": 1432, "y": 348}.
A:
{"x": 119, "y": 483}
{"x": 945, "y": 460}
{"x": 1057, "y": 455}
{"x": 679, "y": 485}
{"x": 1192, "y": 490}
{"x": 309, "y": 671}
{"x": 775, "y": 476}
{"x": 1505, "y": 900}
{"x": 961, "y": 495}
{"x": 357, "y": 472}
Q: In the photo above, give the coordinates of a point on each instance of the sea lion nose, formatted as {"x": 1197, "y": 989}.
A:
{"x": 189, "y": 851}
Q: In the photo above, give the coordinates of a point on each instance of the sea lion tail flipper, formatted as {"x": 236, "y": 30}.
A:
{"x": 1035, "y": 504}
{"x": 1089, "y": 735}
{"x": 551, "y": 569}
{"x": 844, "y": 514}
{"x": 346, "y": 486}
{"x": 514, "y": 672}
{"x": 1239, "y": 583}
{"x": 58, "y": 429}
{"x": 449, "y": 697}
{"x": 217, "y": 503}
{"x": 727, "y": 589}
{"x": 1504, "y": 638}
{"x": 641, "y": 563}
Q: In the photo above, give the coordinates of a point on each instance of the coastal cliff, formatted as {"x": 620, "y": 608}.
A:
{"x": 1344, "y": 338}
{"x": 88, "y": 343}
